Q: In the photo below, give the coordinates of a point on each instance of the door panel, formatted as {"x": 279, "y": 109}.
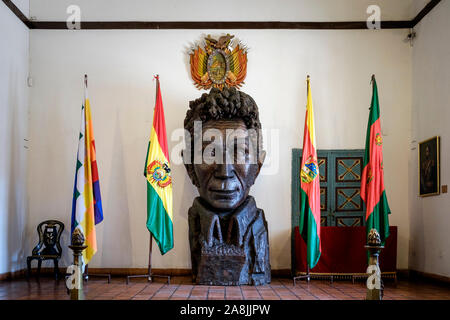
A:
{"x": 348, "y": 169}
{"x": 349, "y": 221}
{"x": 340, "y": 177}
{"x": 348, "y": 207}
{"x": 347, "y": 199}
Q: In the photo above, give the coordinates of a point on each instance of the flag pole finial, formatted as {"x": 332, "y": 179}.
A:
{"x": 86, "y": 80}
{"x": 372, "y": 79}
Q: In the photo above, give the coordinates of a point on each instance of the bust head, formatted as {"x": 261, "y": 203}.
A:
{"x": 225, "y": 149}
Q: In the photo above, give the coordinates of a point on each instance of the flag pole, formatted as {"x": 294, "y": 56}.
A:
{"x": 306, "y": 276}
{"x": 86, "y": 268}
{"x": 149, "y": 274}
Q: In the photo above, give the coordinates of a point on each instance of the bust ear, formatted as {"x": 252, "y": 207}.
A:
{"x": 261, "y": 158}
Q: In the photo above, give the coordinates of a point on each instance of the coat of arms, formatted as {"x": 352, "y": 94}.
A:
{"x": 309, "y": 171}
{"x": 159, "y": 173}
{"x": 217, "y": 65}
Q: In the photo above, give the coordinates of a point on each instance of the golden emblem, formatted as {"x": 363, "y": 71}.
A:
{"x": 159, "y": 173}
{"x": 310, "y": 170}
{"x": 217, "y": 65}
{"x": 378, "y": 139}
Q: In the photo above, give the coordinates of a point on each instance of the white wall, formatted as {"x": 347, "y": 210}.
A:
{"x": 13, "y": 130}
{"x": 430, "y": 216}
{"x": 120, "y": 65}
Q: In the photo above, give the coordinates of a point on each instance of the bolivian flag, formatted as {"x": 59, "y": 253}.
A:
{"x": 372, "y": 180}
{"x": 159, "y": 181}
{"x": 309, "y": 225}
{"x": 87, "y": 204}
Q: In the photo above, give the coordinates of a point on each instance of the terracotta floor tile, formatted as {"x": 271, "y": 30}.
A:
{"x": 182, "y": 288}
{"x": 197, "y": 298}
{"x": 141, "y": 297}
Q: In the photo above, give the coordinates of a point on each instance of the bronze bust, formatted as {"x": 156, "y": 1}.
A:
{"x": 227, "y": 233}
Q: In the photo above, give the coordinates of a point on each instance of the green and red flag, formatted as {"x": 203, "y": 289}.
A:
{"x": 309, "y": 222}
{"x": 159, "y": 181}
{"x": 373, "y": 192}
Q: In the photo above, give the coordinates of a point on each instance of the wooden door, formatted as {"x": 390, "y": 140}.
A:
{"x": 340, "y": 178}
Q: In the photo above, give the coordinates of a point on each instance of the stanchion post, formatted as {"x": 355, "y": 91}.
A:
{"x": 374, "y": 282}
{"x": 76, "y": 290}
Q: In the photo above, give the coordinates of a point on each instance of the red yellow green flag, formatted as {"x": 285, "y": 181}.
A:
{"x": 309, "y": 222}
{"x": 159, "y": 181}
{"x": 372, "y": 181}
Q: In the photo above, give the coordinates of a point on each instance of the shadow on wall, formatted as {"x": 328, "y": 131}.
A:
{"x": 280, "y": 255}
{"x": 416, "y": 257}
{"x": 16, "y": 207}
{"x": 116, "y": 236}
{"x": 61, "y": 163}
{"x": 186, "y": 192}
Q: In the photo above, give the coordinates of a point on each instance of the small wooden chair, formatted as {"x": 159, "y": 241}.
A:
{"x": 48, "y": 248}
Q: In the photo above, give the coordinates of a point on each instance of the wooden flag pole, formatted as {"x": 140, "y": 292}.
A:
{"x": 86, "y": 268}
{"x": 150, "y": 275}
{"x": 305, "y": 276}
{"x": 150, "y": 258}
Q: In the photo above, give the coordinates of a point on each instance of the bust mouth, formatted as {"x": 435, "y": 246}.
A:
{"x": 223, "y": 191}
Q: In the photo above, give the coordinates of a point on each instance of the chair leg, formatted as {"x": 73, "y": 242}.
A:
{"x": 39, "y": 268}
{"x": 56, "y": 268}
{"x": 28, "y": 268}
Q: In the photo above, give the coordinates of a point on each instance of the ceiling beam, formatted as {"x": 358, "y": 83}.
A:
{"x": 430, "y": 5}
{"x": 115, "y": 25}
{"x": 18, "y": 13}
{"x": 112, "y": 25}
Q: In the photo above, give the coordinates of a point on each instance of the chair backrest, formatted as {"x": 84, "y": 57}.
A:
{"x": 49, "y": 232}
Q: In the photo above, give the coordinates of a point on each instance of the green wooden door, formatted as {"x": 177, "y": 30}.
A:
{"x": 340, "y": 178}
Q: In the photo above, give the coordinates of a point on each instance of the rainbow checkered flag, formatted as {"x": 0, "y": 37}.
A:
{"x": 87, "y": 204}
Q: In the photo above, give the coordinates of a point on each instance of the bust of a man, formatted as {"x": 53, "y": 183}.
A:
{"x": 227, "y": 233}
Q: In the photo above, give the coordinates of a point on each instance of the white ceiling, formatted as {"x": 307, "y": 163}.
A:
{"x": 223, "y": 10}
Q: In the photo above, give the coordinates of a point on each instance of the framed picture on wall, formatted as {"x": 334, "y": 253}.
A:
{"x": 429, "y": 167}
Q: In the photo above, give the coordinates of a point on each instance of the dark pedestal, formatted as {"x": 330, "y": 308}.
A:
{"x": 220, "y": 265}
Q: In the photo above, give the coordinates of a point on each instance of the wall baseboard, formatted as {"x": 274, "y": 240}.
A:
{"x": 403, "y": 274}
{"x": 279, "y": 273}
{"x": 436, "y": 278}
{"x": 12, "y": 275}
{"x": 138, "y": 271}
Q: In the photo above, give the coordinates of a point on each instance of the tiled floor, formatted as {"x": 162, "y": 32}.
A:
{"x": 181, "y": 289}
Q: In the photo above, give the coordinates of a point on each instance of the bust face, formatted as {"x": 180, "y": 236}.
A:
{"x": 229, "y": 164}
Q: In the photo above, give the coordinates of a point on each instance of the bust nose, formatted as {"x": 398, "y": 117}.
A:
{"x": 224, "y": 171}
